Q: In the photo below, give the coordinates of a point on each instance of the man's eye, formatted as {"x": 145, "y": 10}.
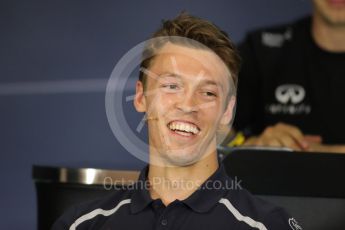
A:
{"x": 209, "y": 94}
{"x": 171, "y": 86}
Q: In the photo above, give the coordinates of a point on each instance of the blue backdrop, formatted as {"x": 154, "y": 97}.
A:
{"x": 55, "y": 59}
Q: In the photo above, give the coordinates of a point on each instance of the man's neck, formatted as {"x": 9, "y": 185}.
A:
{"x": 178, "y": 183}
{"x": 327, "y": 36}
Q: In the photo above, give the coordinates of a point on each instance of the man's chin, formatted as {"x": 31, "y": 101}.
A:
{"x": 183, "y": 157}
{"x": 178, "y": 155}
{"x": 181, "y": 161}
{"x": 333, "y": 19}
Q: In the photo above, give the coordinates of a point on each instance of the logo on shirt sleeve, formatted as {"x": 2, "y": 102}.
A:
{"x": 294, "y": 224}
{"x": 275, "y": 40}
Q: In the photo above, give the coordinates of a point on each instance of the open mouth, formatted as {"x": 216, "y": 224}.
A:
{"x": 183, "y": 128}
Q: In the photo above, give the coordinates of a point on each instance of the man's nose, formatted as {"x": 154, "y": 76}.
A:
{"x": 187, "y": 102}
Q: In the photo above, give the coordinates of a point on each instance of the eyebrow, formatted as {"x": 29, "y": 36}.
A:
{"x": 210, "y": 82}
{"x": 169, "y": 74}
{"x": 202, "y": 82}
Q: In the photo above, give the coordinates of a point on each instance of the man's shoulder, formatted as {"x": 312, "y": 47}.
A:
{"x": 257, "y": 212}
{"x": 101, "y": 206}
{"x": 250, "y": 204}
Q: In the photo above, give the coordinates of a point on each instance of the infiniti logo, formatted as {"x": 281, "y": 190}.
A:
{"x": 289, "y": 92}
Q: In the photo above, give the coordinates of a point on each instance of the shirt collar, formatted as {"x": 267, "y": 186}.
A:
{"x": 141, "y": 197}
{"x": 202, "y": 200}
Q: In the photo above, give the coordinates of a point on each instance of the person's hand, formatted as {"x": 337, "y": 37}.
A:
{"x": 284, "y": 135}
{"x": 318, "y": 147}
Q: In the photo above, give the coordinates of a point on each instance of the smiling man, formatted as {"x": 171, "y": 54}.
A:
{"x": 187, "y": 88}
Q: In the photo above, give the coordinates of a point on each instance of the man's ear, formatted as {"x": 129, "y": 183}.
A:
{"x": 229, "y": 111}
{"x": 139, "y": 99}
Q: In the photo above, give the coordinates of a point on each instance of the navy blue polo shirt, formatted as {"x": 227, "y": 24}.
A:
{"x": 218, "y": 204}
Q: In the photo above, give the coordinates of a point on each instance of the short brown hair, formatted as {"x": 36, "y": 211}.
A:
{"x": 202, "y": 31}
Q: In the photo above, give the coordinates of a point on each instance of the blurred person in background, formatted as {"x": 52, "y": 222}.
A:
{"x": 291, "y": 84}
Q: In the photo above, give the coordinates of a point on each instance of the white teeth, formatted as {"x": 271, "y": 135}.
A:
{"x": 182, "y": 126}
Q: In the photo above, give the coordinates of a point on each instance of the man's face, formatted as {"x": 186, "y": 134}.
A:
{"x": 332, "y": 11}
{"x": 185, "y": 102}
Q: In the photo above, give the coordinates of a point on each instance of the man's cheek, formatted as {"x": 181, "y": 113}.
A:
{"x": 169, "y": 98}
